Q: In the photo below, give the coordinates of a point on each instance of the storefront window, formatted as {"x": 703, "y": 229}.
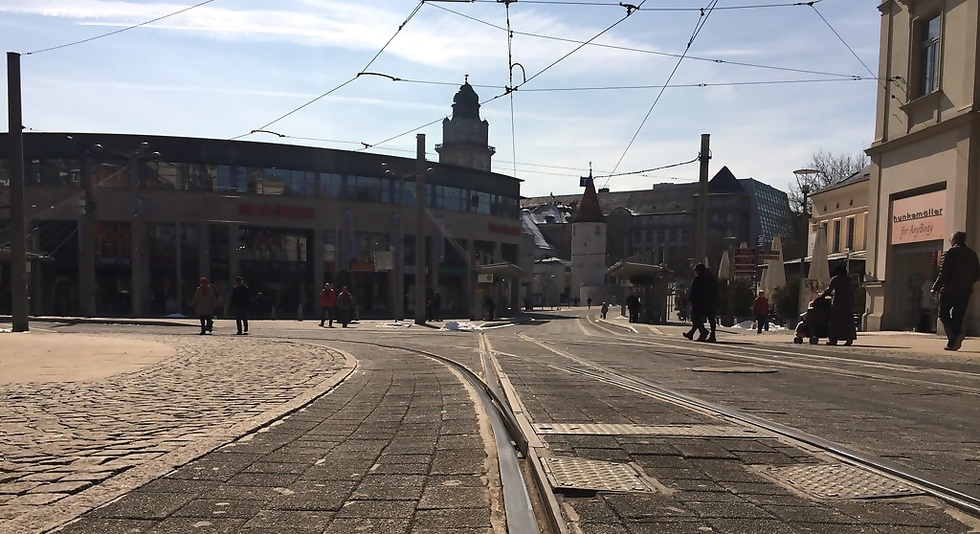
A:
{"x": 368, "y": 189}
{"x": 111, "y": 174}
{"x": 166, "y": 176}
{"x": 201, "y": 177}
{"x": 112, "y": 243}
{"x": 331, "y": 184}
{"x": 162, "y": 240}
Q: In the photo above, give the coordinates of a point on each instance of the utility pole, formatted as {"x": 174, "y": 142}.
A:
{"x": 701, "y": 239}
{"x": 18, "y": 221}
{"x": 420, "y": 230}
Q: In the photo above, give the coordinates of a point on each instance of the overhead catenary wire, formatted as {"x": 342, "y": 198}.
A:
{"x": 366, "y": 67}
{"x": 849, "y": 49}
{"x": 644, "y": 171}
{"x": 702, "y": 20}
{"x": 120, "y": 30}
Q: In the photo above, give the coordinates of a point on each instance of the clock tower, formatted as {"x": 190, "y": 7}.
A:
{"x": 464, "y": 135}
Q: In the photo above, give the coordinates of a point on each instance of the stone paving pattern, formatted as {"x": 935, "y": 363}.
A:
{"x": 59, "y": 439}
{"x": 395, "y": 448}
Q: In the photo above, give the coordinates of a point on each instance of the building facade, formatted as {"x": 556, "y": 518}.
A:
{"x": 131, "y": 222}
{"x": 588, "y": 276}
{"x": 924, "y": 159}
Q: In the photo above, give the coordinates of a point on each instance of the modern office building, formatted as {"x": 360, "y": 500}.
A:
{"x": 131, "y": 222}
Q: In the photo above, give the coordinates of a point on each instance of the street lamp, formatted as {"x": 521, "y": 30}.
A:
{"x": 398, "y": 266}
{"x": 138, "y": 267}
{"x": 803, "y": 184}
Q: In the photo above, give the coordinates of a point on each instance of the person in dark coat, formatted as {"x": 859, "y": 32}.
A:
{"x": 702, "y": 298}
{"x": 959, "y": 270}
{"x": 633, "y": 305}
{"x": 241, "y": 302}
{"x": 437, "y": 307}
{"x": 345, "y": 307}
{"x": 842, "y": 308}
{"x": 490, "y": 306}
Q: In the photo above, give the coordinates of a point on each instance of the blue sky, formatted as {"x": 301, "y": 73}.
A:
{"x": 228, "y": 67}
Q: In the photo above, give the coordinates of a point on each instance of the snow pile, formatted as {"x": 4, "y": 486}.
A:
{"x": 176, "y": 316}
{"x": 5, "y": 330}
{"x": 457, "y": 326}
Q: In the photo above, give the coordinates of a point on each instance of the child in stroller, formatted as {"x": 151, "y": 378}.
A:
{"x": 815, "y": 322}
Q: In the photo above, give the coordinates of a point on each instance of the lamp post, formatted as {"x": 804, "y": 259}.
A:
{"x": 804, "y": 187}
{"x": 138, "y": 266}
{"x": 399, "y": 260}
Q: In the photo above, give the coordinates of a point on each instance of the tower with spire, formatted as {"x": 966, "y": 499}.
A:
{"x": 588, "y": 277}
{"x": 465, "y": 135}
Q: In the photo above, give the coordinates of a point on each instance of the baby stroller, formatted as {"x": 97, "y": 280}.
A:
{"x": 814, "y": 323}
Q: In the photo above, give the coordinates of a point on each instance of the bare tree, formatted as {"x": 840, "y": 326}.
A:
{"x": 831, "y": 168}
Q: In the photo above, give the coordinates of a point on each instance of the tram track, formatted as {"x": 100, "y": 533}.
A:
{"x": 958, "y": 497}
{"x": 769, "y": 357}
{"x": 517, "y": 461}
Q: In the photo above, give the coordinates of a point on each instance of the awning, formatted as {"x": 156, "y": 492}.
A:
{"x": 502, "y": 270}
{"x": 857, "y": 255}
{"x": 625, "y": 270}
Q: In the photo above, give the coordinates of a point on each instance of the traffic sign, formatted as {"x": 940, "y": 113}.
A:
{"x": 745, "y": 252}
{"x": 769, "y": 255}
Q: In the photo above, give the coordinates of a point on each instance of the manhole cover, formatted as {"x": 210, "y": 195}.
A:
{"x": 748, "y": 370}
{"x": 583, "y": 474}
{"x": 839, "y": 481}
{"x": 700, "y": 431}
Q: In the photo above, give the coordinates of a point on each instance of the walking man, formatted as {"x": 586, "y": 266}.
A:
{"x": 702, "y": 297}
{"x": 328, "y": 298}
{"x": 241, "y": 302}
{"x": 958, "y": 271}
{"x": 760, "y": 308}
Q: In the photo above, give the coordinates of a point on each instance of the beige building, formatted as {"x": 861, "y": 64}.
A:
{"x": 924, "y": 174}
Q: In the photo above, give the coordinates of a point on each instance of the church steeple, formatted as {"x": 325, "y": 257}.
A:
{"x": 588, "y": 209}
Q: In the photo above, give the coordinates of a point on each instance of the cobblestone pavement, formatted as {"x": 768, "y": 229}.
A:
{"x": 68, "y": 446}
{"x": 396, "y": 448}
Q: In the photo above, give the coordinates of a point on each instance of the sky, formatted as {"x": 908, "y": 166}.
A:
{"x": 772, "y": 85}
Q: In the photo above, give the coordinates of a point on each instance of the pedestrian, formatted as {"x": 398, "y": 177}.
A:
{"x": 428, "y": 308}
{"x": 328, "y": 299}
{"x": 604, "y": 310}
{"x": 958, "y": 271}
{"x": 702, "y": 297}
{"x": 241, "y": 301}
{"x": 204, "y": 301}
{"x": 760, "y": 308}
{"x": 489, "y": 306}
{"x": 633, "y": 305}
{"x": 588, "y": 302}
{"x": 344, "y": 306}
{"x": 841, "y": 308}
{"x": 437, "y": 307}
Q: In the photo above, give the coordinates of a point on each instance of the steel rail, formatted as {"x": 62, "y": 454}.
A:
{"x": 519, "y": 511}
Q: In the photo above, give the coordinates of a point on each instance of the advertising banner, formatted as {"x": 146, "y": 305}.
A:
{"x": 919, "y": 218}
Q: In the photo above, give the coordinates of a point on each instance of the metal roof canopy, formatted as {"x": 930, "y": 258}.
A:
{"x": 627, "y": 269}
{"x": 503, "y": 269}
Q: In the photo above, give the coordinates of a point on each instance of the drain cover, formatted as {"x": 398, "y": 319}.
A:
{"x": 701, "y": 431}
{"x": 583, "y": 474}
{"x": 839, "y": 481}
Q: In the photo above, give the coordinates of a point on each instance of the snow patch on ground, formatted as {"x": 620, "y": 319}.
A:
{"x": 397, "y": 324}
{"x": 176, "y": 316}
{"x": 458, "y": 326}
{"x": 5, "y": 330}
{"x": 750, "y": 325}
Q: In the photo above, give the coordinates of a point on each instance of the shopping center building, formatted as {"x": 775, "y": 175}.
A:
{"x": 129, "y": 223}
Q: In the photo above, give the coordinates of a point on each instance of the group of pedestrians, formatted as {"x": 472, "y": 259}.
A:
{"x": 336, "y": 306}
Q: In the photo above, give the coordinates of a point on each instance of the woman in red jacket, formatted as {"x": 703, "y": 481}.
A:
{"x": 328, "y": 298}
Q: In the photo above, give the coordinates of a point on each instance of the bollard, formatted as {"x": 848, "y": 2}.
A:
{"x": 273, "y": 312}
{"x": 299, "y": 312}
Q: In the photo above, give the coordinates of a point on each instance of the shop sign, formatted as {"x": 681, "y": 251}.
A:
{"x": 484, "y": 278}
{"x": 362, "y": 266}
{"x": 919, "y": 218}
{"x": 505, "y": 229}
{"x": 276, "y": 210}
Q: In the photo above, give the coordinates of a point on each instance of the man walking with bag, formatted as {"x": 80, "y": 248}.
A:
{"x": 958, "y": 271}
